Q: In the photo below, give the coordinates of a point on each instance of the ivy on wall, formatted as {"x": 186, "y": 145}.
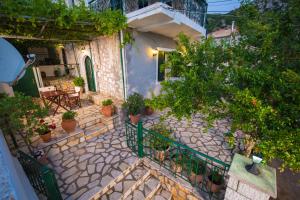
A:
{"x": 49, "y": 19}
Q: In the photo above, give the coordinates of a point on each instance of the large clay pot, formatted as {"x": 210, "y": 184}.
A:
{"x": 46, "y": 137}
{"x": 161, "y": 155}
{"x": 196, "y": 179}
{"x": 69, "y": 125}
{"x": 213, "y": 186}
{"x": 108, "y": 111}
{"x": 135, "y": 118}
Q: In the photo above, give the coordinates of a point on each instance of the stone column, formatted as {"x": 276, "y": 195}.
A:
{"x": 243, "y": 185}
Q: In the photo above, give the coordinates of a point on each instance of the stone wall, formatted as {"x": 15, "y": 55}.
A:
{"x": 106, "y": 56}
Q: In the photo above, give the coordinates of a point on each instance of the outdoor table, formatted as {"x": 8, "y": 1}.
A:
{"x": 57, "y": 97}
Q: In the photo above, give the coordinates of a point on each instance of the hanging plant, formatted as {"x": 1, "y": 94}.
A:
{"x": 49, "y": 19}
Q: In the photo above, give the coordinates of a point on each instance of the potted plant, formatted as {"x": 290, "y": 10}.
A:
{"x": 215, "y": 181}
{"x": 148, "y": 108}
{"x": 135, "y": 105}
{"x": 79, "y": 84}
{"x": 161, "y": 145}
{"x": 197, "y": 171}
{"x": 107, "y": 108}
{"x": 68, "y": 121}
{"x": 177, "y": 161}
{"x": 44, "y": 130}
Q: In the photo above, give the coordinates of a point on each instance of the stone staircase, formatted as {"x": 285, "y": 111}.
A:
{"x": 135, "y": 184}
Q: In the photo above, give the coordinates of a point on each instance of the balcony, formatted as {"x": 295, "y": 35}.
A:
{"x": 164, "y": 17}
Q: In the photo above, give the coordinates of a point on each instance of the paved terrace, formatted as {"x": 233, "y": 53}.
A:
{"x": 93, "y": 164}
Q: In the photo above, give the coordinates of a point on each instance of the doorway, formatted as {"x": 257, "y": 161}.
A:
{"x": 90, "y": 74}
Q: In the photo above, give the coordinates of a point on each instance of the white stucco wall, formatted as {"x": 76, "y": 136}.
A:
{"x": 141, "y": 65}
{"x": 105, "y": 54}
{"x": 13, "y": 182}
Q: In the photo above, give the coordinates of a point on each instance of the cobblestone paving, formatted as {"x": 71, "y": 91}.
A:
{"x": 91, "y": 164}
{"x": 193, "y": 134}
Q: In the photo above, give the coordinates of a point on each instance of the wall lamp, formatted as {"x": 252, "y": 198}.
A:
{"x": 154, "y": 52}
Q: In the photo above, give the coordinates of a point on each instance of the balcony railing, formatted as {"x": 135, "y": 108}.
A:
{"x": 181, "y": 160}
{"x": 101, "y": 5}
{"x": 193, "y": 9}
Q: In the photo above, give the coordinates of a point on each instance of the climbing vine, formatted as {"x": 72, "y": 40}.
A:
{"x": 49, "y": 19}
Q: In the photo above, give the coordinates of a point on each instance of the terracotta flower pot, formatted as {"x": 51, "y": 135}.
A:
{"x": 213, "y": 186}
{"x": 46, "y": 137}
{"x": 135, "y": 118}
{"x": 196, "y": 179}
{"x": 148, "y": 110}
{"x": 69, "y": 125}
{"x": 108, "y": 111}
{"x": 161, "y": 155}
{"x": 177, "y": 168}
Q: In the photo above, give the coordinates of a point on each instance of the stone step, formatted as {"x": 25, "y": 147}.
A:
{"x": 125, "y": 186}
{"x": 95, "y": 130}
{"x": 162, "y": 194}
{"x": 146, "y": 190}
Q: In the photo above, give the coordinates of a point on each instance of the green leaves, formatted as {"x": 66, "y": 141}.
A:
{"x": 59, "y": 21}
{"x": 255, "y": 82}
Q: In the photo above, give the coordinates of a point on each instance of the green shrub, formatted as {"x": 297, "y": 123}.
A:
{"x": 69, "y": 115}
{"x": 216, "y": 178}
{"x": 134, "y": 104}
{"x": 78, "y": 81}
{"x": 107, "y": 102}
{"x": 160, "y": 143}
{"x": 198, "y": 166}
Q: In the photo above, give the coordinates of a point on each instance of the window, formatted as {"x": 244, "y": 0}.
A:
{"x": 162, "y": 58}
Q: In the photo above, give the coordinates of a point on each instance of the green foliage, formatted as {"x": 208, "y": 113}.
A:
{"x": 198, "y": 166}
{"x": 160, "y": 143}
{"x": 69, "y": 115}
{"x": 216, "y": 178}
{"x": 134, "y": 104}
{"x": 54, "y": 19}
{"x": 78, "y": 81}
{"x": 107, "y": 102}
{"x": 20, "y": 114}
{"x": 216, "y": 21}
{"x": 255, "y": 83}
{"x": 43, "y": 128}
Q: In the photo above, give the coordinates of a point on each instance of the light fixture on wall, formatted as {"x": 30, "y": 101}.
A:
{"x": 154, "y": 52}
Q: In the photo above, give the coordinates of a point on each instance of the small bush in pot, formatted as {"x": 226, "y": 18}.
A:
{"x": 79, "y": 83}
{"x": 197, "y": 171}
{"x": 68, "y": 121}
{"x": 215, "y": 181}
{"x": 44, "y": 130}
{"x": 161, "y": 145}
{"x": 178, "y": 162}
{"x": 134, "y": 105}
{"x": 148, "y": 108}
{"x": 107, "y": 108}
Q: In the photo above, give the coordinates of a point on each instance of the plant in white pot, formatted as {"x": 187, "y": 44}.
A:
{"x": 79, "y": 84}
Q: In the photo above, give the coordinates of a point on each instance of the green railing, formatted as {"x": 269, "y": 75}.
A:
{"x": 40, "y": 176}
{"x": 193, "y": 166}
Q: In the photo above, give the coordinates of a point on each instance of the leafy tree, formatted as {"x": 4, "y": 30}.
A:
{"x": 255, "y": 82}
{"x": 20, "y": 115}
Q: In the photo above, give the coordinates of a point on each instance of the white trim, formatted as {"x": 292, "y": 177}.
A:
{"x": 162, "y": 8}
{"x": 165, "y": 49}
{"x": 124, "y": 66}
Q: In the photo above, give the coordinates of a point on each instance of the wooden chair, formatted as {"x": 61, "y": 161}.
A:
{"x": 46, "y": 89}
{"x": 73, "y": 98}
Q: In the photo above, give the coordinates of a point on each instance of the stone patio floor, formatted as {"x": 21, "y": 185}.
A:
{"x": 93, "y": 164}
{"x": 193, "y": 134}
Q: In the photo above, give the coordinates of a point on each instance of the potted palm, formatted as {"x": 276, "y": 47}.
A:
{"x": 160, "y": 143}
{"x": 68, "y": 121}
{"x": 107, "y": 108}
{"x": 44, "y": 130}
{"x": 134, "y": 105}
{"x": 215, "y": 181}
{"x": 197, "y": 171}
{"x": 79, "y": 84}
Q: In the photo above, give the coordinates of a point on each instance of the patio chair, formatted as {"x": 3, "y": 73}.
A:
{"x": 45, "y": 89}
{"x": 73, "y": 98}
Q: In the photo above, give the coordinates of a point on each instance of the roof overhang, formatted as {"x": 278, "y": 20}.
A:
{"x": 162, "y": 19}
